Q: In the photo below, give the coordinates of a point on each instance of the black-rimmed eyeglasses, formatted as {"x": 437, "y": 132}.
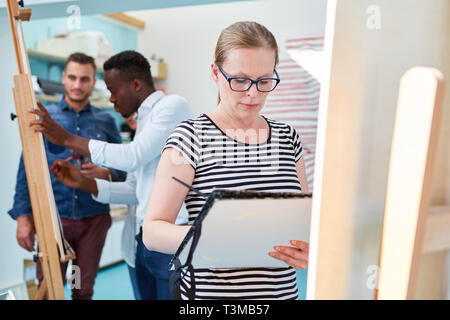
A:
{"x": 241, "y": 84}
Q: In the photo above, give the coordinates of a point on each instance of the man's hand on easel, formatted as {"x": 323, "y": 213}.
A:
{"x": 49, "y": 127}
{"x": 56, "y": 134}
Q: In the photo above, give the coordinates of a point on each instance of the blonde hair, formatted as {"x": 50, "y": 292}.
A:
{"x": 244, "y": 34}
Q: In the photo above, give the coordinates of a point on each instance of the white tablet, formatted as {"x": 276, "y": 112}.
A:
{"x": 240, "y": 228}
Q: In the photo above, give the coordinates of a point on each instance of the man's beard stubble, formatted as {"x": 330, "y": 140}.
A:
{"x": 83, "y": 99}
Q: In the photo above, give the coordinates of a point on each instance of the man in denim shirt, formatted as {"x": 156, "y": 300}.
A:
{"x": 85, "y": 222}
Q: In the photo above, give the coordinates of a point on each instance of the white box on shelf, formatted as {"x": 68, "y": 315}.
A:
{"x": 89, "y": 42}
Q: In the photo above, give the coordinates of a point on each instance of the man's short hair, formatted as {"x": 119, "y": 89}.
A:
{"x": 132, "y": 64}
{"x": 81, "y": 58}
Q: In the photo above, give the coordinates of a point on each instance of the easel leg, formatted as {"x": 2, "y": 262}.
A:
{"x": 41, "y": 291}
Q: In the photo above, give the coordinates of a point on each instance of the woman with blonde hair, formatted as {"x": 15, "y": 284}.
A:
{"x": 232, "y": 147}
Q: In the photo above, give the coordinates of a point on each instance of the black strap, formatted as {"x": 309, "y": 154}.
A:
{"x": 179, "y": 272}
{"x": 197, "y": 233}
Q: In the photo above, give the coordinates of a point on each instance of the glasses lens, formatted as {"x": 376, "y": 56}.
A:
{"x": 267, "y": 84}
{"x": 240, "y": 84}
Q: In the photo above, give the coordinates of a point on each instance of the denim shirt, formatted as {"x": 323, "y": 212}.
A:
{"x": 91, "y": 123}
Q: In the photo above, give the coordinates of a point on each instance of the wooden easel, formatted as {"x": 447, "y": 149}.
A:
{"x": 52, "y": 248}
{"x": 414, "y": 144}
{"x": 348, "y": 202}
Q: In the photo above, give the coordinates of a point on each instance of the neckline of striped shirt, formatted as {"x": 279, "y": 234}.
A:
{"x": 240, "y": 142}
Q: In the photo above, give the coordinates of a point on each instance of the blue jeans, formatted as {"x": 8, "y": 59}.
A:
{"x": 132, "y": 273}
{"x": 152, "y": 272}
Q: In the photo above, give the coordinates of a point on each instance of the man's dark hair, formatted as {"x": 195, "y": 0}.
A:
{"x": 81, "y": 58}
{"x": 132, "y": 64}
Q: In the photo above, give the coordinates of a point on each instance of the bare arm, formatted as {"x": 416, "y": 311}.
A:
{"x": 301, "y": 173}
{"x": 159, "y": 231}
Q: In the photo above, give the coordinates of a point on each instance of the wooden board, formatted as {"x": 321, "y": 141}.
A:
{"x": 122, "y": 17}
{"x": 408, "y": 192}
{"x": 437, "y": 231}
{"x": 51, "y": 249}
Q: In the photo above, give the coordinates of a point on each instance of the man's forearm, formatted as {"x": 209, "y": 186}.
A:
{"x": 89, "y": 185}
{"x": 78, "y": 144}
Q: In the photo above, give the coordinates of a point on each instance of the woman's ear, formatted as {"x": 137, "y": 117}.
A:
{"x": 214, "y": 72}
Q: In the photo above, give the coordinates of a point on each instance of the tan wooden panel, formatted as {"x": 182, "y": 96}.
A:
{"x": 437, "y": 232}
{"x": 35, "y": 160}
{"x": 408, "y": 191}
{"x": 40, "y": 191}
{"x": 337, "y": 156}
{"x": 122, "y": 17}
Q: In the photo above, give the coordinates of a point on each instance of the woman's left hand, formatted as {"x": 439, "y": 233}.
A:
{"x": 295, "y": 256}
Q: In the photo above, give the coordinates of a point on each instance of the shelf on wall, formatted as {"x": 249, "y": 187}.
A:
{"x": 161, "y": 73}
{"x": 51, "y": 58}
{"x": 54, "y": 99}
{"x": 132, "y": 21}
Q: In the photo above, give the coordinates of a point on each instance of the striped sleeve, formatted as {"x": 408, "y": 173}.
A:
{"x": 185, "y": 140}
{"x": 298, "y": 146}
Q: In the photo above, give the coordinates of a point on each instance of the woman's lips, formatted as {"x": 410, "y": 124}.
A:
{"x": 250, "y": 106}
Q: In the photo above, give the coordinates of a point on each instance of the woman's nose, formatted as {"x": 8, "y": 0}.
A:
{"x": 253, "y": 91}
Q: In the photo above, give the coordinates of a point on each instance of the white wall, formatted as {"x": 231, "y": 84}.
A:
{"x": 11, "y": 255}
{"x": 186, "y": 38}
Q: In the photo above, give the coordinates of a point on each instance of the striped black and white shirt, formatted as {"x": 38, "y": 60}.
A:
{"x": 222, "y": 162}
